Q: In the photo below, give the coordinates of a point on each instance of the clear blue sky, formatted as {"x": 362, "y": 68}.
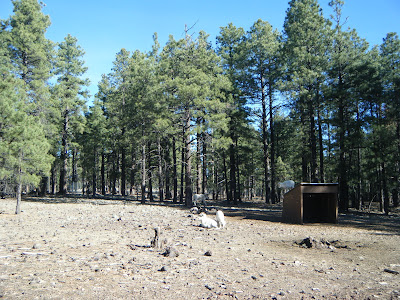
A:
{"x": 103, "y": 27}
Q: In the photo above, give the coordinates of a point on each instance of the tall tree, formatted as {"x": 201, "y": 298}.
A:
{"x": 390, "y": 57}
{"x": 118, "y": 111}
{"x": 142, "y": 106}
{"x": 194, "y": 79}
{"x": 24, "y": 149}
{"x": 306, "y": 41}
{"x": 103, "y": 96}
{"x": 369, "y": 87}
{"x": 32, "y": 55}
{"x": 347, "y": 54}
{"x": 92, "y": 142}
{"x": 230, "y": 47}
{"x": 31, "y": 51}
{"x": 71, "y": 94}
{"x": 263, "y": 71}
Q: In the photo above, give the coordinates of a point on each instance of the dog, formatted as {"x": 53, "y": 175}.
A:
{"x": 199, "y": 199}
{"x": 220, "y": 219}
{"x": 207, "y": 222}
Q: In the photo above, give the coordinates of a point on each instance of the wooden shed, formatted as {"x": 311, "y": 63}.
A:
{"x": 311, "y": 203}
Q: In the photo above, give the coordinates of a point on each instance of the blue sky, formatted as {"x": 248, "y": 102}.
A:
{"x": 104, "y": 27}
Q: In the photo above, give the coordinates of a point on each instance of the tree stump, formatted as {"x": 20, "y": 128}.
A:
{"x": 157, "y": 242}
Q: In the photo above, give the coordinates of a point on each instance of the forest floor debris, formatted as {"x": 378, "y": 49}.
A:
{"x": 101, "y": 249}
{"x": 310, "y": 242}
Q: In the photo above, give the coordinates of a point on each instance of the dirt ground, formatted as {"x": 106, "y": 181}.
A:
{"x": 73, "y": 248}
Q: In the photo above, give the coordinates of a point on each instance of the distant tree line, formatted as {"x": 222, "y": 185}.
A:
{"x": 313, "y": 103}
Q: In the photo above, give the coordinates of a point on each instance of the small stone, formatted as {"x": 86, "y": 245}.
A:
{"x": 208, "y": 253}
{"x": 131, "y": 260}
{"x": 163, "y": 269}
{"x": 171, "y": 252}
{"x": 208, "y": 286}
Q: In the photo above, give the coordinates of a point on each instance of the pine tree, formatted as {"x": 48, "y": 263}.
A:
{"x": 24, "y": 148}
{"x": 32, "y": 52}
{"x": 263, "y": 71}
{"x": 390, "y": 57}
{"x": 71, "y": 94}
{"x": 347, "y": 53}
{"x": 118, "y": 113}
{"x": 230, "y": 47}
{"x": 32, "y": 55}
{"x": 194, "y": 82}
{"x": 103, "y": 96}
{"x": 306, "y": 41}
{"x": 24, "y": 156}
{"x": 92, "y": 142}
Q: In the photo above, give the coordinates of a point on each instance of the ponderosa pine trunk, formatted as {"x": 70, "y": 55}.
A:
{"x": 272, "y": 139}
{"x": 343, "y": 184}
{"x": 238, "y": 186}
{"x": 228, "y": 193}
{"x": 150, "y": 173}
{"x": 53, "y": 178}
{"x": 160, "y": 171}
{"x": 123, "y": 171}
{"x": 74, "y": 171}
{"x": 396, "y": 176}
{"x": 188, "y": 162}
{"x": 385, "y": 190}
{"x": 305, "y": 152}
{"x": 19, "y": 192}
{"x": 64, "y": 155}
{"x": 321, "y": 149}
{"x": 103, "y": 174}
{"x": 167, "y": 177}
{"x": 232, "y": 173}
{"x": 215, "y": 192}
{"x": 265, "y": 144}
{"x": 132, "y": 182}
{"x": 115, "y": 167}
{"x": 94, "y": 172}
{"x": 143, "y": 172}
{"x": 175, "y": 173}
{"x": 313, "y": 144}
{"x": 198, "y": 165}
{"x": 183, "y": 149}
{"x": 204, "y": 166}
{"x": 43, "y": 185}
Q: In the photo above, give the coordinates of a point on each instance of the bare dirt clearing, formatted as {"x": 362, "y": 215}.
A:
{"x": 75, "y": 248}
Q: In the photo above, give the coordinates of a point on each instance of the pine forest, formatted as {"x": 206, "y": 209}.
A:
{"x": 230, "y": 118}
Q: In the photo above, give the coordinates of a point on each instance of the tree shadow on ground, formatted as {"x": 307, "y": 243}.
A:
{"x": 373, "y": 221}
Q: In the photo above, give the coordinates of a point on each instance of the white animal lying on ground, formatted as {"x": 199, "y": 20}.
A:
{"x": 286, "y": 185}
{"x": 207, "y": 222}
{"x": 199, "y": 198}
{"x": 220, "y": 219}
